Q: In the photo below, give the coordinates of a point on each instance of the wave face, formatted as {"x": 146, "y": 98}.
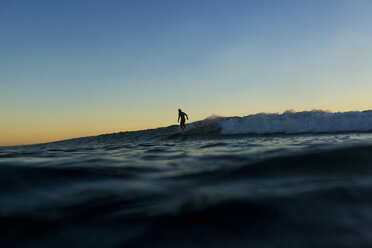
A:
{"x": 299, "y": 122}
{"x": 289, "y": 122}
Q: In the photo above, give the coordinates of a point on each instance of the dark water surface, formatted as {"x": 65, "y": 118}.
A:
{"x": 137, "y": 190}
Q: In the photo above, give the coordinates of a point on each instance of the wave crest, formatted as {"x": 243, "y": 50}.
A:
{"x": 291, "y": 122}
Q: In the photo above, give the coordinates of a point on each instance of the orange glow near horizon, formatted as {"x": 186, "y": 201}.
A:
{"x": 28, "y": 136}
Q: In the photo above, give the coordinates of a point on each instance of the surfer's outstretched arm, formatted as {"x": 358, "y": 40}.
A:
{"x": 179, "y": 116}
{"x": 186, "y": 116}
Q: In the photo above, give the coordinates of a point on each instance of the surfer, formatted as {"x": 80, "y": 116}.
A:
{"x": 182, "y": 116}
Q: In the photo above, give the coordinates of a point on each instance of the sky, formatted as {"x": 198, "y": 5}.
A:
{"x": 79, "y": 68}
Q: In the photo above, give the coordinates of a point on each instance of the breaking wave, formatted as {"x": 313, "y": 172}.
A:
{"x": 289, "y": 122}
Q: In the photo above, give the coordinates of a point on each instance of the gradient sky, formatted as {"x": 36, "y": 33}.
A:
{"x": 78, "y": 68}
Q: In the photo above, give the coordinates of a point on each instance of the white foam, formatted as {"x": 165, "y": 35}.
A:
{"x": 291, "y": 122}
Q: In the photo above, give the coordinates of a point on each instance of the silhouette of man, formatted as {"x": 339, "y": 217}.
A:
{"x": 182, "y": 116}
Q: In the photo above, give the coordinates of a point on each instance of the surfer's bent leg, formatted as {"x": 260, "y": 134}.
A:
{"x": 182, "y": 124}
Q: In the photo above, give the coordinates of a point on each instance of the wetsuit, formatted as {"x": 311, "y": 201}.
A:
{"x": 182, "y": 116}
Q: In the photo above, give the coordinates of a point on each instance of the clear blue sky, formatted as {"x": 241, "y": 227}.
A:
{"x": 77, "y": 68}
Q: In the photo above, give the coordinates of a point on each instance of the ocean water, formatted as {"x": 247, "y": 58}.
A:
{"x": 267, "y": 180}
